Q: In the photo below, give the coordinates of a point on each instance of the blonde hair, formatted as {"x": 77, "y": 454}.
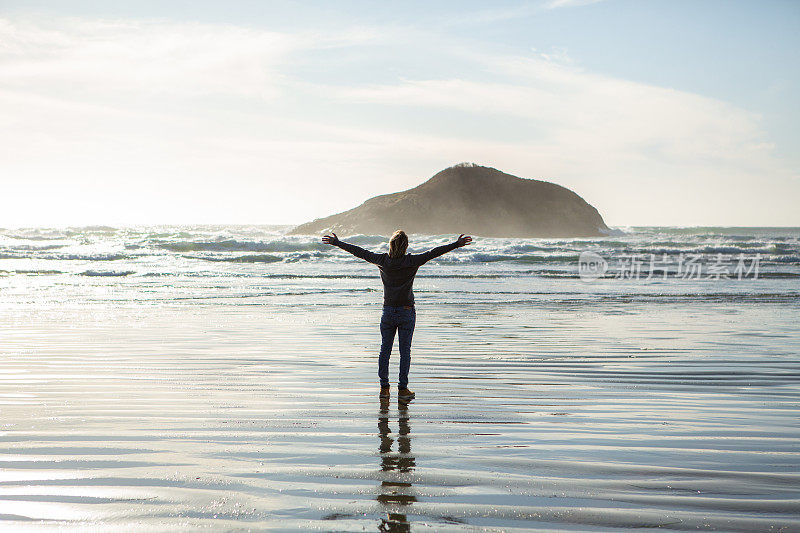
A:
{"x": 398, "y": 244}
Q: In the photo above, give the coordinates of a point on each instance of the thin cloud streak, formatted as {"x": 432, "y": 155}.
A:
{"x": 571, "y": 3}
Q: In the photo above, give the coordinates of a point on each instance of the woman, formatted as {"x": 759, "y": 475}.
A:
{"x": 397, "y": 272}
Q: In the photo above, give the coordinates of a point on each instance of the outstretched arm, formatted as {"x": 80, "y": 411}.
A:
{"x": 423, "y": 258}
{"x": 357, "y": 251}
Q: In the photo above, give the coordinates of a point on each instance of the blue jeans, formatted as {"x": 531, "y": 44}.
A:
{"x": 400, "y": 319}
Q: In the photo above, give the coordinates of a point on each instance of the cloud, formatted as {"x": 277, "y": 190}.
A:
{"x": 151, "y": 57}
{"x": 608, "y": 120}
{"x": 145, "y": 58}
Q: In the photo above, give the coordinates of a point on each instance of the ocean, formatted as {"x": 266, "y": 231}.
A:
{"x": 224, "y": 377}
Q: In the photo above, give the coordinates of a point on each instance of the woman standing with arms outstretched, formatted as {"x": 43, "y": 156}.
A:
{"x": 397, "y": 273}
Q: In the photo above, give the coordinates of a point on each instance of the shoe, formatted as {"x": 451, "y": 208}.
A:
{"x": 385, "y": 392}
{"x": 405, "y": 394}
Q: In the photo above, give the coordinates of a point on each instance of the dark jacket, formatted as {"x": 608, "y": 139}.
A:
{"x": 397, "y": 273}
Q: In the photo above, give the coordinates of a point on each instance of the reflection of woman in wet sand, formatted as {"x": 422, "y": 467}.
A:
{"x": 397, "y": 272}
{"x": 395, "y": 494}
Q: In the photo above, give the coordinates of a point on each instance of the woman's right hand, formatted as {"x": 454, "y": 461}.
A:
{"x": 328, "y": 239}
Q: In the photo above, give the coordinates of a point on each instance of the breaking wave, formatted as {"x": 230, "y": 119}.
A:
{"x": 106, "y": 273}
{"x": 242, "y": 246}
{"x": 261, "y": 258}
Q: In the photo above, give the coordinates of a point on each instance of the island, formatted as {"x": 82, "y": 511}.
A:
{"x": 472, "y": 199}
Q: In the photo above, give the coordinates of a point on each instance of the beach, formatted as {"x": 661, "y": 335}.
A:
{"x": 172, "y": 378}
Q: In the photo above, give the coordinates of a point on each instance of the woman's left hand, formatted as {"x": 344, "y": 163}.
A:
{"x": 464, "y": 240}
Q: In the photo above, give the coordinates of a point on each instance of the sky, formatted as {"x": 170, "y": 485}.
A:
{"x": 658, "y": 112}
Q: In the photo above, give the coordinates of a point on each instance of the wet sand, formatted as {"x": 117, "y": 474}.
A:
{"x": 171, "y": 417}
